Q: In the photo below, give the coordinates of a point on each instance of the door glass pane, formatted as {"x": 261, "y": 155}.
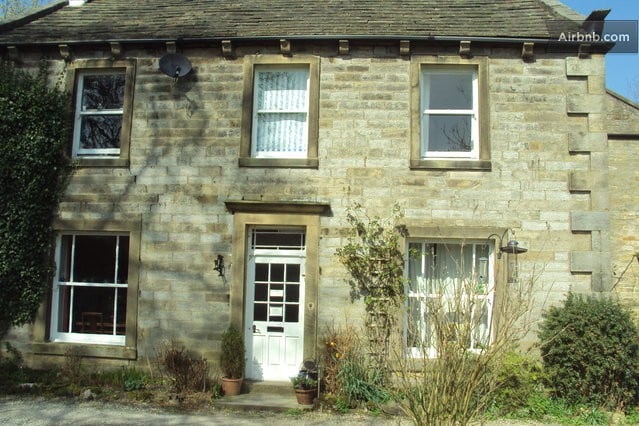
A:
{"x": 277, "y": 272}
{"x": 261, "y": 272}
{"x": 292, "y": 273}
{"x": 259, "y": 311}
{"x": 292, "y": 313}
{"x": 292, "y": 293}
{"x": 275, "y": 312}
{"x": 261, "y": 292}
{"x": 277, "y": 292}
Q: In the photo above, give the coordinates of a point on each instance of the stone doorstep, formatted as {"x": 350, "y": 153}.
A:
{"x": 257, "y": 395}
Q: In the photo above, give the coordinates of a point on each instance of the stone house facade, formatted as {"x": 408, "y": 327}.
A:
{"x": 475, "y": 120}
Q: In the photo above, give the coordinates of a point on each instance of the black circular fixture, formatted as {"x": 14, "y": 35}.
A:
{"x": 175, "y": 65}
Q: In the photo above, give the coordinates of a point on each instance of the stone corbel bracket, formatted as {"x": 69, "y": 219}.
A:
{"x": 464, "y": 49}
{"x": 285, "y": 47}
{"x": 65, "y": 52}
{"x": 13, "y": 54}
{"x": 343, "y": 47}
{"x": 227, "y": 48}
{"x": 527, "y": 52}
{"x": 116, "y": 49}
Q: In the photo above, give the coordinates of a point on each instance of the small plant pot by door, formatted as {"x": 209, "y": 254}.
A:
{"x": 305, "y": 396}
{"x": 231, "y": 387}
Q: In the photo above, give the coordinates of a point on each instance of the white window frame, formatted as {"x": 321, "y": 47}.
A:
{"x": 256, "y": 112}
{"x": 426, "y": 71}
{"x": 488, "y": 296}
{"x": 77, "y": 151}
{"x": 70, "y": 337}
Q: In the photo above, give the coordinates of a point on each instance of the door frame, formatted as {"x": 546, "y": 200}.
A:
{"x": 242, "y": 225}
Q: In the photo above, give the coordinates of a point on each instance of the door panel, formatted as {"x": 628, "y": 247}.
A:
{"x": 274, "y": 311}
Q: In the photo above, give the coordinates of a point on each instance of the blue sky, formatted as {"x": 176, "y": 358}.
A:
{"x": 622, "y": 69}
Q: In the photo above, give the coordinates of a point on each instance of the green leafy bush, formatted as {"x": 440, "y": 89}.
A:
{"x": 33, "y": 168}
{"x": 520, "y": 380}
{"x": 590, "y": 348}
{"x": 360, "y": 382}
{"x": 232, "y": 353}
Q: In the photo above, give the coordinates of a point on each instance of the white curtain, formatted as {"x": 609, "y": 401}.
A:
{"x": 281, "y": 112}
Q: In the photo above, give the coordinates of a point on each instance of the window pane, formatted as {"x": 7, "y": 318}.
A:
{"x": 100, "y": 131}
{"x": 280, "y": 132}
{"x": 103, "y": 91}
{"x": 94, "y": 259}
{"x": 123, "y": 260}
{"x": 292, "y": 273}
{"x": 288, "y": 240}
{"x": 448, "y": 133}
{"x": 94, "y": 310}
{"x": 64, "y": 263}
{"x": 120, "y": 325}
{"x": 450, "y": 91}
{"x": 64, "y": 307}
{"x": 281, "y": 90}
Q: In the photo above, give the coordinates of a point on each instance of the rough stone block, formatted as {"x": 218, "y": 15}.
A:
{"x": 587, "y": 142}
{"x": 585, "y": 104}
{"x": 590, "y": 221}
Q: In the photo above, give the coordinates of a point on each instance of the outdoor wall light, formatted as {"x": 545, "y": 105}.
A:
{"x": 511, "y": 247}
{"x": 512, "y": 250}
{"x": 219, "y": 265}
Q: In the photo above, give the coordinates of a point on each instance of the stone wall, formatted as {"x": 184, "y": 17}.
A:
{"x": 545, "y": 116}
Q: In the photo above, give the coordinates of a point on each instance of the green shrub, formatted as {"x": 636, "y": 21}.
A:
{"x": 232, "y": 353}
{"x": 590, "y": 349}
{"x": 33, "y": 173}
{"x": 359, "y": 382}
{"x": 520, "y": 379}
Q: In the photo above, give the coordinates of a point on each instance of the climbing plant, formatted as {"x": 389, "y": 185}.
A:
{"x": 33, "y": 169}
{"x": 375, "y": 263}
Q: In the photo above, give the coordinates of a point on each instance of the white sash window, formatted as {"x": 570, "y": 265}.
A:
{"x": 449, "y": 113}
{"x": 90, "y": 289}
{"x": 99, "y": 113}
{"x": 449, "y": 296}
{"x": 280, "y": 112}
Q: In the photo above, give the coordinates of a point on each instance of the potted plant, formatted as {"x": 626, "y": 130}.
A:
{"x": 232, "y": 361}
{"x": 305, "y": 389}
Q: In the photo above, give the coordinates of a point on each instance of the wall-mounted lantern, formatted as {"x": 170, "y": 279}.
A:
{"x": 512, "y": 250}
{"x": 219, "y": 265}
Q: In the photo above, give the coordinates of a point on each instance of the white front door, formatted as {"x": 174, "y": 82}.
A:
{"x": 274, "y": 311}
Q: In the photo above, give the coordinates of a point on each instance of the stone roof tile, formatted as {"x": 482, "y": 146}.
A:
{"x": 101, "y": 20}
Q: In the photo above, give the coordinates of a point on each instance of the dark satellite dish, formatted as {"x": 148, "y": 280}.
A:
{"x": 175, "y": 65}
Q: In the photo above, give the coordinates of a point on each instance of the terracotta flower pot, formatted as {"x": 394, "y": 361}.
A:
{"x": 231, "y": 386}
{"x": 305, "y": 396}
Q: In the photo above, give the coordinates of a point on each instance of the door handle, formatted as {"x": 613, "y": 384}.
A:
{"x": 255, "y": 329}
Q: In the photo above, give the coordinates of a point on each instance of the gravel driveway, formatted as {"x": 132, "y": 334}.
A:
{"x": 41, "y": 411}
